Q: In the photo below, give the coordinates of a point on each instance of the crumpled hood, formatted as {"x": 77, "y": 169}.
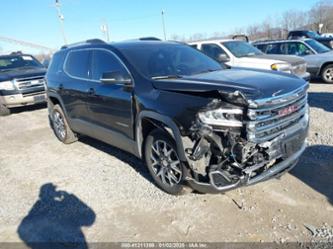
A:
{"x": 21, "y": 73}
{"x": 254, "y": 84}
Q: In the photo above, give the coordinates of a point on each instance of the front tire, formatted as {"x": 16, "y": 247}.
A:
{"x": 327, "y": 74}
{"x": 163, "y": 162}
{"x": 60, "y": 126}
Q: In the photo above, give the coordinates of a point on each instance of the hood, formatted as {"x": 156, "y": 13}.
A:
{"x": 293, "y": 60}
{"x": 21, "y": 73}
{"x": 254, "y": 84}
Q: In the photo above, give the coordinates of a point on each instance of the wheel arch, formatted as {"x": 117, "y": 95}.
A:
{"x": 323, "y": 66}
{"x": 147, "y": 121}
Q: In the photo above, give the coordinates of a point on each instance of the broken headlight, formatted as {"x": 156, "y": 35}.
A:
{"x": 222, "y": 117}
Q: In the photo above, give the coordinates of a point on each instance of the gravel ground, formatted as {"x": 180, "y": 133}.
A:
{"x": 108, "y": 194}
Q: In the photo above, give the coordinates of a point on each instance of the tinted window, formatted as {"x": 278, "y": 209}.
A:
{"x": 241, "y": 48}
{"x": 276, "y": 48}
{"x": 56, "y": 63}
{"x": 162, "y": 59}
{"x": 212, "y": 50}
{"x": 104, "y": 61}
{"x": 298, "y": 48}
{"x": 18, "y": 61}
{"x": 78, "y": 63}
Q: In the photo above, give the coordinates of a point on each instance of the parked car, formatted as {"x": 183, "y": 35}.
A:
{"x": 302, "y": 34}
{"x": 237, "y": 53}
{"x": 21, "y": 81}
{"x": 318, "y": 57}
{"x": 192, "y": 121}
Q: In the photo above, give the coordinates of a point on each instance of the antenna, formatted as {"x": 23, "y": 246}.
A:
{"x": 163, "y": 24}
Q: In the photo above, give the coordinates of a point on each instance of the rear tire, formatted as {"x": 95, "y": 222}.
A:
{"x": 4, "y": 111}
{"x": 327, "y": 74}
{"x": 60, "y": 126}
{"x": 164, "y": 164}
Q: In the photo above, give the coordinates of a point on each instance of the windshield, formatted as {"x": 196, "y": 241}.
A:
{"x": 312, "y": 34}
{"x": 17, "y": 62}
{"x": 241, "y": 48}
{"x": 164, "y": 59}
{"x": 317, "y": 46}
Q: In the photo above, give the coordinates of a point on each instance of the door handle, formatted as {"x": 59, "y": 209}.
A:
{"x": 61, "y": 87}
{"x": 91, "y": 91}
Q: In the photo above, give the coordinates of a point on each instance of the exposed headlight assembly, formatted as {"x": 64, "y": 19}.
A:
{"x": 7, "y": 85}
{"x": 222, "y": 117}
{"x": 282, "y": 67}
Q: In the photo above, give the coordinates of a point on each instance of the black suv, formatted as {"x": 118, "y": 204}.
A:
{"x": 193, "y": 122}
{"x": 301, "y": 34}
{"x": 21, "y": 81}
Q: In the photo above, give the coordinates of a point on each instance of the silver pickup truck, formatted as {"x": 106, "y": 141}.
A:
{"x": 319, "y": 58}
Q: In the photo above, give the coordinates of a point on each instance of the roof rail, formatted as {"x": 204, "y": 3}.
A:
{"x": 90, "y": 41}
{"x": 149, "y": 39}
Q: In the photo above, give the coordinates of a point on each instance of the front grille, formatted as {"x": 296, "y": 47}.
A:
{"x": 29, "y": 83}
{"x": 270, "y": 120}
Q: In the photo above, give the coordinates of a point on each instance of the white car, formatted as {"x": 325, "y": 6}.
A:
{"x": 237, "y": 53}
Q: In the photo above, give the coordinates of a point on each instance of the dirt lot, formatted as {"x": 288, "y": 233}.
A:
{"x": 109, "y": 195}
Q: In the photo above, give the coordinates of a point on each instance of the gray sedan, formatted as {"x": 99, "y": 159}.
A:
{"x": 319, "y": 58}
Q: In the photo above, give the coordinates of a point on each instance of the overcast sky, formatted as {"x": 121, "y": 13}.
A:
{"x": 36, "y": 20}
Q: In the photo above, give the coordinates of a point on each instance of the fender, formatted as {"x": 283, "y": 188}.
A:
{"x": 173, "y": 131}
{"x": 57, "y": 96}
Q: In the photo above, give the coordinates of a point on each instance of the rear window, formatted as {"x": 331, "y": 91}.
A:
{"x": 78, "y": 63}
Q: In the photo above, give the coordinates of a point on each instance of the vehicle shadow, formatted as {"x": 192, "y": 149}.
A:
{"x": 315, "y": 168}
{"x": 28, "y": 108}
{"x": 323, "y": 100}
{"x": 55, "y": 221}
{"x": 124, "y": 156}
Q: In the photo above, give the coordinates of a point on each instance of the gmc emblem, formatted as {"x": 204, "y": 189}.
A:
{"x": 288, "y": 110}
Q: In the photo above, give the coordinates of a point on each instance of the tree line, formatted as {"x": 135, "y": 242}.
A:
{"x": 278, "y": 27}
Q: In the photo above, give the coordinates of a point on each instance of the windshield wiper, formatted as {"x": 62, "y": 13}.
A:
{"x": 164, "y": 77}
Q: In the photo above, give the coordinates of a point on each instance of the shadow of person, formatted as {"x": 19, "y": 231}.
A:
{"x": 55, "y": 221}
{"x": 315, "y": 168}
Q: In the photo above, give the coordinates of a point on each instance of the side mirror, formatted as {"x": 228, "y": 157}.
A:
{"x": 223, "y": 58}
{"x": 116, "y": 77}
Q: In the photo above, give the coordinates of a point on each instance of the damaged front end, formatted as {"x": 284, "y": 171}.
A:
{"x": 235, "y": 141}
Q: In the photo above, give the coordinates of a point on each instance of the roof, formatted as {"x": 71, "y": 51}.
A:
{"x": 279, "y": 41}
{"x": 212, "y": 40}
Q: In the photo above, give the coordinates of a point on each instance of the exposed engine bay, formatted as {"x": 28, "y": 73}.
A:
{"x": 228, "y": 156}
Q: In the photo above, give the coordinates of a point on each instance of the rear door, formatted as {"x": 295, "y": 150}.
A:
{"x": 109, "y": 105}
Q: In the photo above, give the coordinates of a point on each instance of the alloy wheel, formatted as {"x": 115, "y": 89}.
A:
{"x": 165, "y": 163}
{"x": 59, "y": 125}
{"x": 328, "y": 74}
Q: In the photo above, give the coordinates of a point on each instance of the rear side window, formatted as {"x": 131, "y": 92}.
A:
{"x": 275, "y": 48}
{"x": 103, "y": 62}
{"x": 194, "y": 46}
{"x": 78, "y": 63}
{"x": 56, "y": 63}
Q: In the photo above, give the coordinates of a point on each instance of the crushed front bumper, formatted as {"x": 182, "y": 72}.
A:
{"x": 273, "y": 172}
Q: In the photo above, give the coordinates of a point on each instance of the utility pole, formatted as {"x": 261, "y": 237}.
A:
{"x": 105, "y": 30}
{"x": 163, "y": 24}
{"x": 61, "y": 20}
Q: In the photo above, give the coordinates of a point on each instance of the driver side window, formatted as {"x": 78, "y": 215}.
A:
{"x": 104, "y": 61}
{"x": 212, "y": 50}
{"x": 298, "y": 48}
